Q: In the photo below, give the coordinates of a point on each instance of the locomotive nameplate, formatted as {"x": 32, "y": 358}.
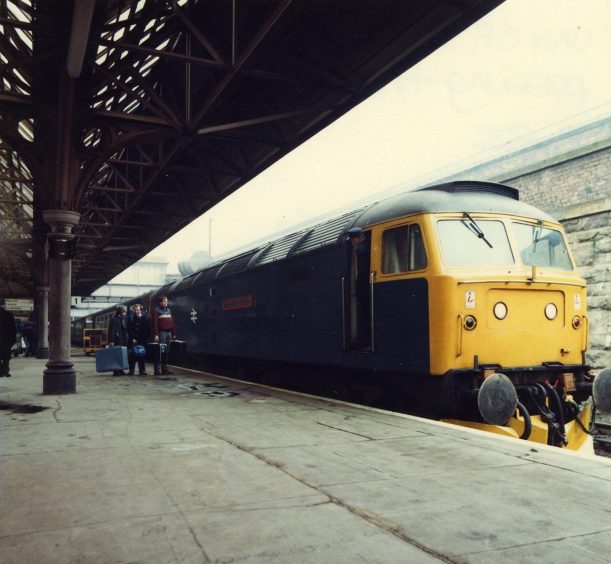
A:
{"x": 237, "y": 302}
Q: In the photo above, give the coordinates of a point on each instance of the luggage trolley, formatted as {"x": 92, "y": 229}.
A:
{"x": 94, "y": 339}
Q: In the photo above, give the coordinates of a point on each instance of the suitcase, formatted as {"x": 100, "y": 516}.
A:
{"x": 156, "y": 352}
{"x": 177, "y": 351}
{"x": 111, "y": 358}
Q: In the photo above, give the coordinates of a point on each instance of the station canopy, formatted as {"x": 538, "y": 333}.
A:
{"x": 141, "y": 115}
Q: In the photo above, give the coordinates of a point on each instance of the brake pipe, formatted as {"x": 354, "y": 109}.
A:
{"x": 560, "y": 409}
{"x": 527, "y": 421}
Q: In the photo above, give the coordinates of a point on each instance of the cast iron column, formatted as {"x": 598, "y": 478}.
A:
{"x": 42, "y": 321}
{"x": 59, "y": 377}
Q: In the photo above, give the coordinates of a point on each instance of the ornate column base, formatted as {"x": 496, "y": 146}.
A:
{"x": 42, "y": 352}
{"x": 59, "y": 378}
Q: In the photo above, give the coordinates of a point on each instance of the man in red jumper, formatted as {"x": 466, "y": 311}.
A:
{"x": 164, "y": 331}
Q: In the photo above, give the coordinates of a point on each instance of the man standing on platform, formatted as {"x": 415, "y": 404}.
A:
{"x": 117, "y": 332}
{"x": 8, "y": 337}
{"x": 139, "y": 332}
{"x": 164, "y": 331}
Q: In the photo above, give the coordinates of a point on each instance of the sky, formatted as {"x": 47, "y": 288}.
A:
{"x": 528, "y": 67}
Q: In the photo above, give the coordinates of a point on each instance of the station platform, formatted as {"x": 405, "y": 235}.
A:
{"x": 196, "y": 468}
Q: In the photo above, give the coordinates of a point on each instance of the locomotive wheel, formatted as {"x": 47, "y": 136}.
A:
{"x": 497, "y": 399}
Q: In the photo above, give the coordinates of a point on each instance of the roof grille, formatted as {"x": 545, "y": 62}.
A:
{"x": 278, "y": 249}
{"x": 183, "y": 284}
{"x": 325, "y": 233}
{"x": 237, "y": 264}
{"x": 207, "y": 274}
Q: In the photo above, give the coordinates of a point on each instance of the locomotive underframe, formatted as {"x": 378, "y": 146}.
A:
{"x": 553, "y": 392}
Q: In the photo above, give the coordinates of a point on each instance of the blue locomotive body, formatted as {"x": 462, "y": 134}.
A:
{"x": 293, "y": 310}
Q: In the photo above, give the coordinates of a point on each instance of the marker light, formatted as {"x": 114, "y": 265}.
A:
{"x": 576, "y": 322}
{"x": 551, "y": 311}
{"x": 500, "y": 310}
{"x": 470, "y": 323}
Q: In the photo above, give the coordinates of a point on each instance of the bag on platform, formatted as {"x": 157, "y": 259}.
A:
{"x": 139, "y": 351}
{"x": 111, "y": 358}
{"x": 156, "y": 352}
{"x": 177, "y": 351}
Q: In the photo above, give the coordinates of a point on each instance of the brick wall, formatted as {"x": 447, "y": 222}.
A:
{"x": 566, "y": 184}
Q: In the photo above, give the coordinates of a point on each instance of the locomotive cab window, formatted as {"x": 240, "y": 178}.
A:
{"x": 403, "y": 249}
{"x": 540, "y": 246}
{"x": 471, "y": 242}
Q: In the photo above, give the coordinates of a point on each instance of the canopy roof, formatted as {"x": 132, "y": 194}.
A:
{"x": 141, "y": 115}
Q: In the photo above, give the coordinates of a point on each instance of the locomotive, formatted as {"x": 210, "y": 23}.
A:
{"x": 458, "y": 298}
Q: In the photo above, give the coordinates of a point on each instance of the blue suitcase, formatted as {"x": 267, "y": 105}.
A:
{"x": 111, "y": 358}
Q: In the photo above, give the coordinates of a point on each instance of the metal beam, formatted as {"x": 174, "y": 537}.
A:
{"x": 79, "y": 35}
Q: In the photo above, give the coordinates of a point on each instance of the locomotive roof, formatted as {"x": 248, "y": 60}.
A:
{"x": 469, "y": 196}
{"x": 461, "y": 196}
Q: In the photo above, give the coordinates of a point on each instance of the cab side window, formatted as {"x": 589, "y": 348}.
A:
{"x": 403, "y": 249}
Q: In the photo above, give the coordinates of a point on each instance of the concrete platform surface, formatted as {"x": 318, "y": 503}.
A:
{"x": 195, "y": 468}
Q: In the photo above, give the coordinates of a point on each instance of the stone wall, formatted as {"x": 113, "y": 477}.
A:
{"x": 577, "y": 191}
{"x": 590, "y": 239}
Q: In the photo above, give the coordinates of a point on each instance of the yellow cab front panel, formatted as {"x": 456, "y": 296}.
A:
{"x": 509, "y": 315}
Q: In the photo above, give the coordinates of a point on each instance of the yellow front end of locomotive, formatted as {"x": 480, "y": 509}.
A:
{"x": 505, "y": 302}
{"x": 517, "y": 324}
{"x": 514, "y": 315}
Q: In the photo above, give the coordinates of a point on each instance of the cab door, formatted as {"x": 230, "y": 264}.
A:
{"x": 357, "y": 287}
{"x": 400, "y": 297}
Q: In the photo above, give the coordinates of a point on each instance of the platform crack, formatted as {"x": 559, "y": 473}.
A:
{"x": 371, "y": 519}
{"x": 58, "y": 408}
{"x": 344, "y": 430}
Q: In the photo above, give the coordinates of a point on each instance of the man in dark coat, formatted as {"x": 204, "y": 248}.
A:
{"x": 31, "y": 337}
{"x": 117, "y": 332}
{"x": 8, "y": 337}
{"x": 139, "y": 333}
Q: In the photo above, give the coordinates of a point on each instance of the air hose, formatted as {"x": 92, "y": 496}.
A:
{"x": 559, "y": 412}
{"x": 527, "y": 421}
{"x": 589, "y": 431}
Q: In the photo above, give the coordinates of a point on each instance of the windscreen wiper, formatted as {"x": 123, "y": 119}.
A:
{"x": 474, "y": 228}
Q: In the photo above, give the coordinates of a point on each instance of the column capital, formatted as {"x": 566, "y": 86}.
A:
{"x": 61, "y": 239}
{"x": 61, "y": 221}
{"x": 42, "y": 290}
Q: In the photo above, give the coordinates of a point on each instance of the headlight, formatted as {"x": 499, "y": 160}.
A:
{"x": 576, "y": 322}
{"x": 500, "y": 310}
{"x": 470, "y": 323}
{"x": 551, "y": 311}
